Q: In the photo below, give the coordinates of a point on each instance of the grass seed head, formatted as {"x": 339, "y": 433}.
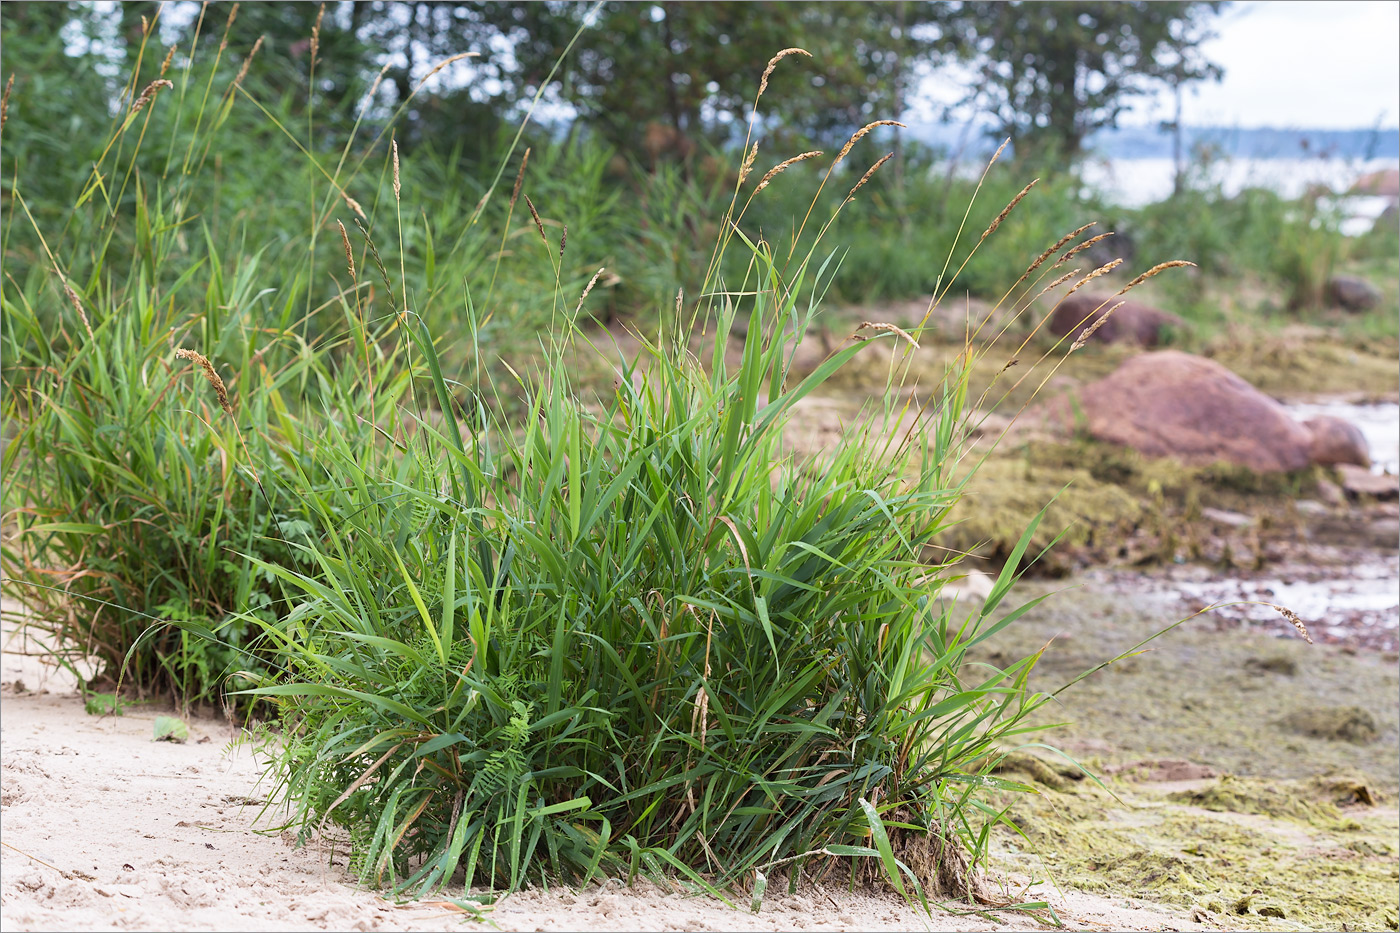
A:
{"x": 242, "y": 71}
{"x": 747, "y": 166}
{"x": 1292, "y": 616}
{"x": 859, "y": 134}
{"x": 5, "y": 101}
{"x": 441, "y": 65}
{"x": 316, "y": 34}
{"x": 1104, "y": 269}
{"x": 354, "y": 206}
{"x": 773, "y": 63}
{"x": 170, "y": 54}
{"x": 778, "y": 169}
{"x": 78, "y": 306}
{"x": 1008, "y": 209}
{"x": 866, "y": 177}
{"x": 588, "y": 288}
{"x": 210, "y": 375}
{"x": 1088, "y": 332}
{"x": 1160, "y": 267}
{"x": 1069, "y": 254}
{"x": 148, "y": 93}
{"x": 349, "y": 254}
{"x": 394, "y": 145}
{"x": 539, "y": 224}
{"x": 519, "y": 177}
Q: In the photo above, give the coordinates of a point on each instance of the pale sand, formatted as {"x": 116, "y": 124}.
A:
{"x": 104, "y": 828}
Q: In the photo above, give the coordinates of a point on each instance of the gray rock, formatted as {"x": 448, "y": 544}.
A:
{"x": 1352, "y": 294}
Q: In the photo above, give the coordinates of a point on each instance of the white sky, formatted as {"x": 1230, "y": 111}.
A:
{"x": 1305, "y": 64}
{"x": 1289, "y": 64}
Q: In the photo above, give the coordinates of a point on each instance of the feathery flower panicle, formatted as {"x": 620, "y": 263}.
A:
{"x": 210, "y": 375}
{"x": 778, "y": 169}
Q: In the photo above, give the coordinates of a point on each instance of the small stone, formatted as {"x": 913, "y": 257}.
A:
{"x": 1352, "y": 294}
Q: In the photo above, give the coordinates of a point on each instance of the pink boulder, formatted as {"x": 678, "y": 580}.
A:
{"x": 1130, "y": 323}
{"x": 1174, "y": 404}
{"x": 1336, "y": 440}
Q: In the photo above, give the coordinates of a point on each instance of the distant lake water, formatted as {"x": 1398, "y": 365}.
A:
{"x": 1135, "y": 182}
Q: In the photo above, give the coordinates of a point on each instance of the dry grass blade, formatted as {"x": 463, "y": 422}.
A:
{"x": 212, "y": 377}
{"x": 539, "y": 224}
{"x": 446, "y": 62}
{"x": 1089, "y": 331}
{"x": 778, "y": 169}
{"x": 242, "y": 71}
{"x": 519, "y": 178}
{"x": 866, "y": 177}
{"x": 773, "y": 63}
{"x": 1008, "y": 209}
{"x": 349, "y": 254}
{"x": 148, "y": 93}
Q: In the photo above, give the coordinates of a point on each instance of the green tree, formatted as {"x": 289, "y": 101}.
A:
{"x": 694, "y": 67}
{"x": 1053, "y": 73}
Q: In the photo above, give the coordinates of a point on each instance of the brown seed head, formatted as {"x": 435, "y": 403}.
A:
{"x": 78, "y": 306}
{"x": 394, "y": 145}
{"x": 169, "y": 54}
{"x": 747, "y": 165}
{"x": 149, "y": 93}
{"x": 210, "y": 376}
{"x": 563, "y": 238}
{"x": 1160, "y": 267}
{"x": 773, "y": 63}
{"x": 1083, "y": 246}
{"x": 588, "y": 288}
{"x": 890, "y": 328}
{"x": 1007, "y": 210}
{"x": 243, "y": 71}
{"x": 1104, "y": 269}
{"x": 1046, "y": 255}
{"x": 519, "y": 177}
{"x": 441, "y": 65}
{"x": 354, "y": 206}
{"x": 1088, "y": 332}
{"x": 1292, "y": 616}
{"x": 316, "y": 34}
{"x": 5, "y": 101}
{"x": 1058, "y": 282}
{"x": 349, "y": 254}
{"x": 866, "y": 177}
{"x": 778, "y": 169}
{"x": 856, "y": 137}
{"x": 539, "y": 224}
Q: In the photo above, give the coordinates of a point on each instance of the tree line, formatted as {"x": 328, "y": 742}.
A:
{"x": 1046, "y": 74}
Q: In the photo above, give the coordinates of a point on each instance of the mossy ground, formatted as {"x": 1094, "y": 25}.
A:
{"x": 1296, "y": 831}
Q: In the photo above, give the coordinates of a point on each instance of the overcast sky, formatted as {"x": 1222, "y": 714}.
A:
{"x": 1289, "y": 64}
{"x": 1333, "y": 64}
